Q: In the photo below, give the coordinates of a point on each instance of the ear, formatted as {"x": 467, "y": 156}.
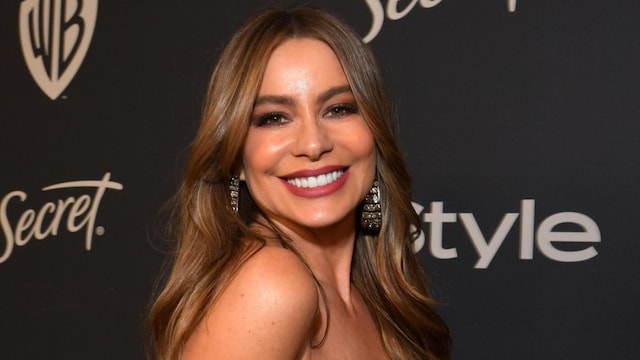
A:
{"x": 241, "y": 174}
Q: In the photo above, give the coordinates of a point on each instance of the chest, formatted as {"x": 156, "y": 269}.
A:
{"x": 351, "y": 335}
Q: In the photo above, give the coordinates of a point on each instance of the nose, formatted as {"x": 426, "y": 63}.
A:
{"x": 313, "y": 139}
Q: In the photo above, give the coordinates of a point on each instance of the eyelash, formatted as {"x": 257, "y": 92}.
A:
{"x": 275, "y": 119}
{"x": 271, "y": 119}
{"x": 342, "y": 110}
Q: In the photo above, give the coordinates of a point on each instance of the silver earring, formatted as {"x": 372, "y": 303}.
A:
{"x": 371, "y": 210}
{"x": 234, "y": 192}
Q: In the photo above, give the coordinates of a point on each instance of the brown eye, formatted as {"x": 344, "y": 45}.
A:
{"x": 341, "y": 110}
{"x": 271, "y": 119}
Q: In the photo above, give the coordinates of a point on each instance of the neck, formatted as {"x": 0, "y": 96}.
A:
{"x": 328, "y": 251}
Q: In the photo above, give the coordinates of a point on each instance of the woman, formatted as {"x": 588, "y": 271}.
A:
{"x": 294, "y": 237}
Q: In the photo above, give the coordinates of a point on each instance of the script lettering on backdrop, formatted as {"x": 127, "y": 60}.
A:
{"x": 544, "y": 237}
{"x": 55, "y": 36}
{"x": 75, "y": 213}
{"x": 393, "y": 13}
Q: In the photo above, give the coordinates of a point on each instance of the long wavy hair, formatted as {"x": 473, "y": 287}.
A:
{"x": 212, "y": 241}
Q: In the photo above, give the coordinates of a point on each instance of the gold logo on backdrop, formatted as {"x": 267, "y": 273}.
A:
{"x": 55, "y": 36}
{"x": 70, "y": 213}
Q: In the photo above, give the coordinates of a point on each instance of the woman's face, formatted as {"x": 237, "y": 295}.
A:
{"x": 309, "y": 157}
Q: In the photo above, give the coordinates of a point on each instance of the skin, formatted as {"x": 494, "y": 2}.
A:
{"x": 305, "y": 122}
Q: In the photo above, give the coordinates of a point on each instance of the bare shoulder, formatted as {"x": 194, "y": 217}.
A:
{"x": 266, "y": 312}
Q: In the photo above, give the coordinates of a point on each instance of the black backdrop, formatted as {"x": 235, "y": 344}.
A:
{"x": 506, "y": 115}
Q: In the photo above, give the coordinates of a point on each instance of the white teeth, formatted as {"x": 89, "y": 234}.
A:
{"x": 315, "y": 181}
{"x": 322, "y": 180}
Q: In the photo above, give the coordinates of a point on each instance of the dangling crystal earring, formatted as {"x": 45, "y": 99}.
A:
{"x": 234, "y": 192}
{"x": 371, "y": 210}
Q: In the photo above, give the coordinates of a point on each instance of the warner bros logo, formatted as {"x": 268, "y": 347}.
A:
{"x": 55, "y": 36}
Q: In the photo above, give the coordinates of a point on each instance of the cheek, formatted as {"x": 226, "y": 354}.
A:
{"x": 262, "y": 152}
{"x": 249, "y": 158}
{"x": 367, "y": 150}
{"x": 362, "y": 143}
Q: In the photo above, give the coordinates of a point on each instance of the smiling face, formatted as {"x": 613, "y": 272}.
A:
{"x": 309, "y": 157}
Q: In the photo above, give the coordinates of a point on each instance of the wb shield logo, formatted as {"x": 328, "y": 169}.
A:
{"x": 55, "y": 36}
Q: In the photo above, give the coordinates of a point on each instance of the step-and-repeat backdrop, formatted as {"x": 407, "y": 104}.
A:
{"x": 520, "y": 120}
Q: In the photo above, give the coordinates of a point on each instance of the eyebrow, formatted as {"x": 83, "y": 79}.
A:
{"x": 288, "y": 101}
